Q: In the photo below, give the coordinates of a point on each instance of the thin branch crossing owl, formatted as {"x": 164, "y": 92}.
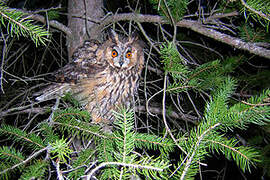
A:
{"x": 101, "y": 77}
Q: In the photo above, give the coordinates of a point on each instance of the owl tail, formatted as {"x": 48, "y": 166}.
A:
{"x": 52, "y": 92}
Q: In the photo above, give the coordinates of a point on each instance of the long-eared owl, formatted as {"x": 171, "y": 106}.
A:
{"x": 101, "y": 77}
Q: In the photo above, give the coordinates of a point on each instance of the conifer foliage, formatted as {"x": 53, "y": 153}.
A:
{"x": 118, "y": 154}
{"x": 208, "y": 99}
{"x": 18, "y": 24}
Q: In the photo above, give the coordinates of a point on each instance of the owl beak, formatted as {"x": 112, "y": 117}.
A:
{"x": 121, "y": 62}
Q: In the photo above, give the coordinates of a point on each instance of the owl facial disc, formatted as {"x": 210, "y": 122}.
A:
{"x": 121, "y": 57}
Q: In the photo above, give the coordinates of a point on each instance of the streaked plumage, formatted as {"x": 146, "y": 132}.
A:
{"x": 101, "y": 76}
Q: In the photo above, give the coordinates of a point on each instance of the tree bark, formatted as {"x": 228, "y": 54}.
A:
{"x": 78, "y": 13}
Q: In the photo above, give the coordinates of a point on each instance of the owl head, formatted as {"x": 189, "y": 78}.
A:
{"x": 123, "y": 52}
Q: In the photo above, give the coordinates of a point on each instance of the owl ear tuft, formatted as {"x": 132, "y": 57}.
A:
{"x": 113, "y": 36}
{"x": 133, "y": 37}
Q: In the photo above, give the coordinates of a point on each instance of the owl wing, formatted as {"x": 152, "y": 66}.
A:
{"x": 74, "y": 72}
{"x": 85, "y": 65}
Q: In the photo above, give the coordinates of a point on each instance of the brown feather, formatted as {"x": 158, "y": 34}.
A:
{"x": 96, "y": 80}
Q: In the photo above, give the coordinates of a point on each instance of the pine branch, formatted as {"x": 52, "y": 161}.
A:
{"x": 25, "y": 161}
{"x": 10, "y": 154}
{"x": 217, "y": 118}
{"x": 153, "y": 142}
{"x": 85, "y": 158}
{"x": 126, "y": 137}
{"x": 33, "y": 141}
{"x": 261, "y": 5}
{"x": 53, "y": 23}
{"x": 68, "y": 120}
{"x": 35, "y": 171}
{"x": 119, "y": 150}
{"x": 61, "y": 149}
{"x": 22, "y": 26}
{"x": 244, "y": 156}
{"x": 172, "y": 9}
{"x": 256, "y": 110}
{"x": 79, "y": 128}
{"x": 194, "y": 149}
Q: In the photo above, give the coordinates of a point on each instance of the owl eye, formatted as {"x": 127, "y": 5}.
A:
{"x": 114, "y": 53}
{"x": 128, "y": 54}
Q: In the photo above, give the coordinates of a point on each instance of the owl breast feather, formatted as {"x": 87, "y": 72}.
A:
{"x": 106, "y": 93}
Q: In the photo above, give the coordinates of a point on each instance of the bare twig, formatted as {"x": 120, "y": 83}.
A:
{"x": 194, "y": 26}
{"x": 221, "y": 15}
{"x": 164, "y": 114}
{"x": 190, "y": 24}
{"x": 194, "y": 106}
{"x": 147, "y": 38}
{"x": 151, "y": 109}
{"x": 188, "y": 159}
{"x": 3, "y": 62}
{"x": 167, "y": 90}
{"x": 172, "y": 20}
{"x": 224, "y": 38}
{"x": 22, "y": 110}
{"x": 54, "y": 108}
{"x": 59, "y": 172}
{"x": 195, "y": 149}
{"x": 172, "y": 114}
{"x": 255, "y": 105}
{"x": 155, "y": 70}
{"x": 88, "y": 177}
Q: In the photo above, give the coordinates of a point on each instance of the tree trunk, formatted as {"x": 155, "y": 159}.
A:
{"x": 79, "y": 11}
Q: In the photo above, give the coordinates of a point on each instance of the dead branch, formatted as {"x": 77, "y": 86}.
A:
{"x": 190, "y": 24}
{"x": 24, "y": 110}
{"x": 224, "y": 38}
{"x": 43, "y": 110}
{"x": 196, "y": 27}
{"x": 53, "y": 23}
{"x": 172, "y": 114}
